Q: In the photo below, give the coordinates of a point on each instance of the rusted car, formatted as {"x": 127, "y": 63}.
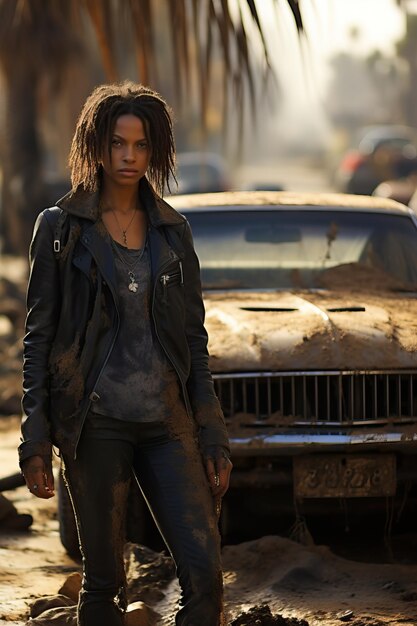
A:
{"x": 311, "y": 310}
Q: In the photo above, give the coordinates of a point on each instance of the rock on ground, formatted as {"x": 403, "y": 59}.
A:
{"x": 58, "y": 616}
{"x": 49, "y": 602}
{"x": 61, "y": 610}
{"x": 139, "y": 614}
{"x": 72, "y": 586}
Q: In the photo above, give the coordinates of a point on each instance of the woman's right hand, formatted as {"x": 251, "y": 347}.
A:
{"x": 38, "y": 476}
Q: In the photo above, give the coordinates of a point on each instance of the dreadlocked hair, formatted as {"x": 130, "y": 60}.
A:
{"x": 95, "y": 127}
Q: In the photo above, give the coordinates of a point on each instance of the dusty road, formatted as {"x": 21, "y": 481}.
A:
{"x": 309, "y": 583}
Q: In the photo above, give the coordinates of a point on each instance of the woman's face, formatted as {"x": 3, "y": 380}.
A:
{"x": 130, "y": 153}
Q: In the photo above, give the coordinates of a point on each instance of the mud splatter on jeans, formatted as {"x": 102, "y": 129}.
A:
{"x": 170, "y": 472}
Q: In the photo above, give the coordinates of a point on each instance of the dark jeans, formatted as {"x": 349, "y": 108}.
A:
{"x": 171, "y": 475}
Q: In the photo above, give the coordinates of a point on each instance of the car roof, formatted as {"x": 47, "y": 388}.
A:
{"x": 231, "y": 200}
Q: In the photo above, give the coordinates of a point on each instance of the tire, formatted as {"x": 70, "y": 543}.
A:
{"x": 66, "y": 518}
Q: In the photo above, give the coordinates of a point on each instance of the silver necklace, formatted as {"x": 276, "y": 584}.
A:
{"x": 133, "y": 285}
{"x": 124, "y": 232}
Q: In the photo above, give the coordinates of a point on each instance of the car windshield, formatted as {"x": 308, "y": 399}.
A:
{"x": 305, "y": 249}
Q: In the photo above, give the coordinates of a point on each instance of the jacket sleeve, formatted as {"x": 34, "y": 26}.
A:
{"x": 43, "y": 302}
{"x": 204, "y": 402}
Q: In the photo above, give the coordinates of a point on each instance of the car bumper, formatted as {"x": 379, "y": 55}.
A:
{"x": 266, "y": 460}
{"x": 297, "y": 443}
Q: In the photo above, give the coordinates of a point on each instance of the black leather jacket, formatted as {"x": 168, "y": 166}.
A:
{"x": 73, "y": 320}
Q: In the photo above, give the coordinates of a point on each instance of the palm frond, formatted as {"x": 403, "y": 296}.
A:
{"x": 102, "y": 19}
{"x": 201, "y": 32}
{"x": 296, "y": 11}
{"x": 205, "y": 21}
{"x": 180, "y": 44}
{"x": 142, "y": 18}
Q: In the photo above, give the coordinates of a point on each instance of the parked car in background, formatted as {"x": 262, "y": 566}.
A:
{"x": 402, "y": 189}
{"x": 311, "y": 310}
{"x": 200, "y": 172}
{"x": 382, "y": 153}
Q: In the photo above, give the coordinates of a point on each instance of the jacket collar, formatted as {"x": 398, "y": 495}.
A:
{"x": 85, "y": 204}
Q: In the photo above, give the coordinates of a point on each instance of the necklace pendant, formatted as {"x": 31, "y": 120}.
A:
{"x": 133, "y": 287}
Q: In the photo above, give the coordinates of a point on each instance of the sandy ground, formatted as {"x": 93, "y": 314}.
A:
{"x": 294, "y": 580}
{"x": 32, "y": 563}
{"x": 305, "y": 582}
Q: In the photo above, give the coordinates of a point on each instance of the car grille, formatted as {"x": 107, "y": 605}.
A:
{"x": 319, "y": 398}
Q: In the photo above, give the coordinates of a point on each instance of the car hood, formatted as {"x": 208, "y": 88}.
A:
{"x": 311, "y": 330}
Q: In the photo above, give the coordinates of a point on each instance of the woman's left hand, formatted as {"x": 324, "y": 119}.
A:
{"x": 218, "y": 468}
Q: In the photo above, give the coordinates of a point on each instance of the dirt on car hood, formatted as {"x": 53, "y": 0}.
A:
{"x": 311, "y": 330}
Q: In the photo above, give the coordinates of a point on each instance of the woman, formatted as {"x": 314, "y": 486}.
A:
{"x": 115, "y": 359}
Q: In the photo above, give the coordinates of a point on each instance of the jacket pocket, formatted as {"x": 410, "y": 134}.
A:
{"x": 170, "y": 279}
{"x": 173, "y": 277}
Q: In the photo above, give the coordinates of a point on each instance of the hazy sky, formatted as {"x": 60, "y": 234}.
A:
{"x": 331, "y": 26}
{"x": 379, "y": 24}
{"x": 329, "y": 22}
{"x": 303, "y": 71}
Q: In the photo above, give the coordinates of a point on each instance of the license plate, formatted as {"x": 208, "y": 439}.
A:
{"x": 344, "y": 476}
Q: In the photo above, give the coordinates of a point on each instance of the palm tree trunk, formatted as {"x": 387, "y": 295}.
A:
{"x": 22, "y": 170}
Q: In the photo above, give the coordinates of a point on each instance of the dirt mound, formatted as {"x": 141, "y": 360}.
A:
{"x": 262, "y": 616}
{"x": 312, "y": 583}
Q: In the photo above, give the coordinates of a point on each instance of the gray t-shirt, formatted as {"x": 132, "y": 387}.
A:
{"x": 138, "y": 382}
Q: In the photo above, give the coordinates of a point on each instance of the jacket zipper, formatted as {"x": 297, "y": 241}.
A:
{"x": 164, "y": 279}
{"x": 88, "y": 404}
